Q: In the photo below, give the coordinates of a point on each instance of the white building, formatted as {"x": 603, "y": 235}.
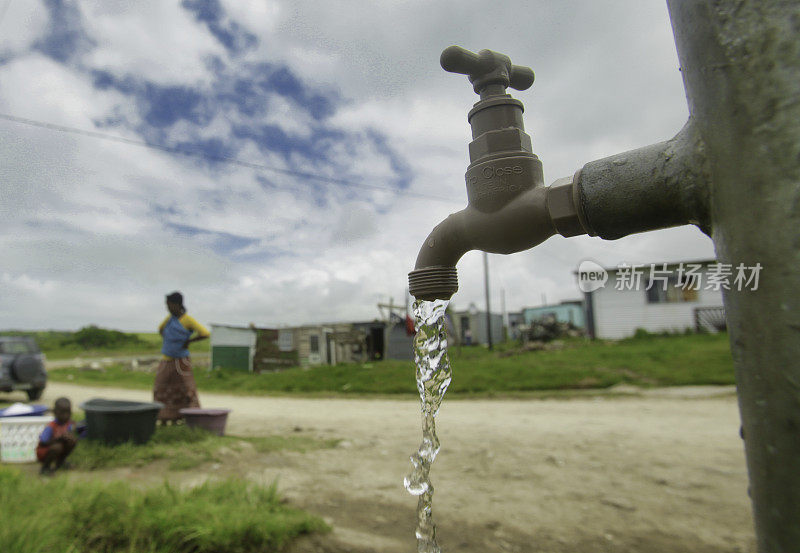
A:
{"x": 659, "y": 297}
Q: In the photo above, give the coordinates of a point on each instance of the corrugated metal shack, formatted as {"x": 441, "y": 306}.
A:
{"x": 250, "y": 348}
{"x": 570, "y": 311}
{"x": 268, "y": 349}
{"x": 352, "y": 342}
{"x": 470, "y": 326}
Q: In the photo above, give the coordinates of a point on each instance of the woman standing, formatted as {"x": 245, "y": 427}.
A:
{"x": 174, "y": 385}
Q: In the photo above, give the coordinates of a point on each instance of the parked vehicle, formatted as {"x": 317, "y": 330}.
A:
{"x": 22, "y": 366}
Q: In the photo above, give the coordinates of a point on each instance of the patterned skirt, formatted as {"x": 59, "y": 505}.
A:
{"x": 175, "y": 387}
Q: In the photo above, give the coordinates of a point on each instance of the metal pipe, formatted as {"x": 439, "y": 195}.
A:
{"x": 740, "y": 62}
{"x": 658, "y": 186}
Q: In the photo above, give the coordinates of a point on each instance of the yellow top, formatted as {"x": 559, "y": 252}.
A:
{"x": 189, "y": 323}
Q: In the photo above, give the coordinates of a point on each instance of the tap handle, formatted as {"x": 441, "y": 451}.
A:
{"x": 486, "y": 68}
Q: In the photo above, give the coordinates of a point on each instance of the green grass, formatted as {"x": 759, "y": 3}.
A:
{"x": 644, "y": 361}
{"x": 40, "y": 516}
{"x": 56, "y": 344}
{"x": 184, "y": 448}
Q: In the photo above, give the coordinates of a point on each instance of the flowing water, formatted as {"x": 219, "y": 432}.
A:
{"x": 433, "y": 378}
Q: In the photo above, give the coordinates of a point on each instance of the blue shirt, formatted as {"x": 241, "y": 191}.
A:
{"x": 175, "y": 335}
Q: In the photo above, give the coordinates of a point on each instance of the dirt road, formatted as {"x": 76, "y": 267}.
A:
{"x": 661, "y": 472}
{"x": 100, "y": 361}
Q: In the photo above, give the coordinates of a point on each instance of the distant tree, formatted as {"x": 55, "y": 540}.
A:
{"x": 94, "y": 337}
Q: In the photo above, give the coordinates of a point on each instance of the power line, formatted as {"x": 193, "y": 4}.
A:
{"x": 241, "y": 163}
{"x": 219, "y": 158}
{"x": 235, "y": 161}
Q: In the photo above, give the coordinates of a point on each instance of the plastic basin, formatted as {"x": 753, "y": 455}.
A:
{"x": 212, "y": 420}
{"x": 35, "y": 411}
{"x": 114, "y": 421}
{"x": 19, "y": 437}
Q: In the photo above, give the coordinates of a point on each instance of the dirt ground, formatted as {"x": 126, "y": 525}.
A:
{"x": 661, "y": 471}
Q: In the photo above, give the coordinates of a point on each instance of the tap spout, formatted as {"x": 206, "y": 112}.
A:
{"x": 434, "y": 275}
{"x": 520, "y": 224}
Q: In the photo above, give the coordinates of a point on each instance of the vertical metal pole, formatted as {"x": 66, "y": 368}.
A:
{"x": 504, "y": 312}
{"x": 740, "y": 62}
{"x": 486, "y": 291}
{"x": 588, "y": 302}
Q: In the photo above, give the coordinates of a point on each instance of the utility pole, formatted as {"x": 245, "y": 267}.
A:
{"x": 504, "y": 312}
{"x": 486, "y": 291}
{"x": 390, "y": 306}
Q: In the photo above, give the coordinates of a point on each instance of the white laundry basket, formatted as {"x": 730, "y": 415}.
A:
{"x": 19, "y": 437}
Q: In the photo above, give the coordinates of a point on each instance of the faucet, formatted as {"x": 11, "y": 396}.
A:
{"x": 510, "y": 210}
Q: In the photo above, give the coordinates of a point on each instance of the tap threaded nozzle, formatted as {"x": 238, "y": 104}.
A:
{"x": 433, "y": 283}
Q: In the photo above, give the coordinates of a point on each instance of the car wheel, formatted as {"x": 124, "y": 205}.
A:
{"x": 26, "y": 368}
{"x": 34, "y": 393}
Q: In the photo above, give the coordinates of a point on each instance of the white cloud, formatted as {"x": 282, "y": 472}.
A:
{"x": 257, "y": 16}
{"x": 21, "y": 24}
{"x": 155, "y": 40}
{"x": 26, "y": 284}
{"x": 288, "y": 116}
{"x": 354, "y": 224}
{"x": 88, "y": 225}
{"x": 36, "y": 87}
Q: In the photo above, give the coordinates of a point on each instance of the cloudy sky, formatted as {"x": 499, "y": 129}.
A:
{"x": 350, "y": 145}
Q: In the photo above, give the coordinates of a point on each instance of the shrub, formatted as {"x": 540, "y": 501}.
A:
{"x": 90, "y": 337}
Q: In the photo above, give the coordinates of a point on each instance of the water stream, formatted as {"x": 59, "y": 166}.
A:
{"x": 433, "y": 378}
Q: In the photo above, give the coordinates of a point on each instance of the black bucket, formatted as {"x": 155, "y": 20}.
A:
{"x": 117, "y": 421}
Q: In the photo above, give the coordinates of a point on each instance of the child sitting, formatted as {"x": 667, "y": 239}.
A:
{"x": 58, "y": 439}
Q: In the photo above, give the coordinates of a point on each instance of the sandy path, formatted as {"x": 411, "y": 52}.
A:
{"x": 661, "y": 472}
